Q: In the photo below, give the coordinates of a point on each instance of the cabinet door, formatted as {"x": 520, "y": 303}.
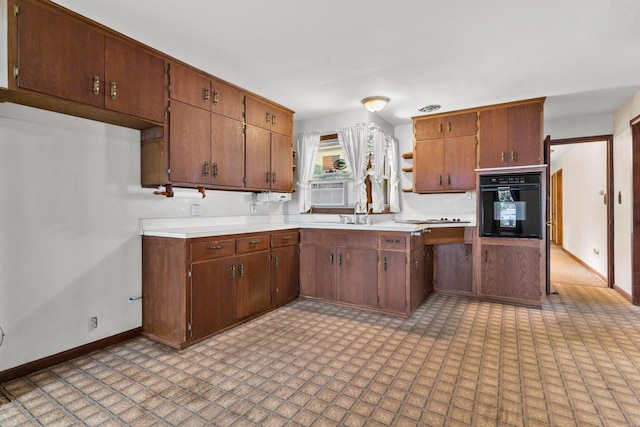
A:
{"x": 510, "y": 271}
{"x": 428, "y": 128}
{"x": 493, "y": 138}
{"x": 428, "y": 164}
{"x": 418, "y": 277}
{"x": 189, "y": 149}
{"x": 213, "y": 296}
{"x": 135, "y": 81}
{"x": 460, "y": 163}
{"x": 227, "y": 100}
{"x": 253, "y": 285}
{"x": 281, "y": 121}
{"x": 189, "y": 86}
{"x": 281, "y": 162}
{"x": 356, "y": 276}
{"x": 465, "y": 124}
{"x": 227, "y": 151}
{"x": 258, "y": 158}
{"x": 258, "y": 113}
{"x": 284, "y": 274}
{"x": 524, "y": 135}
{"x": 428, "y": 269}
{"x": 392, "y": 283}
{"x": 59, "y": 55}
{"x": 453, "y": 270}
{"x": 317, "y": 271}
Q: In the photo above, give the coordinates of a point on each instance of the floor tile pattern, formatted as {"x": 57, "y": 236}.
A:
{"x": 454, "y": 362}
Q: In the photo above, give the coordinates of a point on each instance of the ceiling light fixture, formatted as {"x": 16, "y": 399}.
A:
{"x": 429, "y": 108}
{"x": 375, "y": 103}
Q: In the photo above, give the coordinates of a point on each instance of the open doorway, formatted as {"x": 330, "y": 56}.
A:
{"x": 580, "y": 214}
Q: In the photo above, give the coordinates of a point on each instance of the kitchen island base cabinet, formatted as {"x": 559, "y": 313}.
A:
{"x": 363, "y": 269}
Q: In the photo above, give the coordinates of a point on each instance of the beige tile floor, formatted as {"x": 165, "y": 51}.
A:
{"x": 454, "y": 362}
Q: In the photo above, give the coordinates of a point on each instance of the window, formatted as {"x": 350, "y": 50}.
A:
{"x": 330, "y": 162}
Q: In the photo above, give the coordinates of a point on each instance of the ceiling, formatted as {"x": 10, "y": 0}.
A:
{"x": 323, "y": 57}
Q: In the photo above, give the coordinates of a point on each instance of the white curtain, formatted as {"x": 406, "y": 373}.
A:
{"x": 353, "y": 141}
{"x": 307, "y": 151}
{"x": 377, "y": 147}
{"x": 394, "y": 181}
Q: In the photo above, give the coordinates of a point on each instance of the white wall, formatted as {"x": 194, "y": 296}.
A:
{"x": 575, "y": 127}
{"x": 584, "y": 175}
{"x": 623, "y": 212}
{"x": 69, "y": 246}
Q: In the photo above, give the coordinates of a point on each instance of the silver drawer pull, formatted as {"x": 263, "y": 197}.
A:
{"x": 254, "y": 242}
{"x": 214, "y": 247}
{"x": 393, "y": 240}
{"x": 285, "y": 238}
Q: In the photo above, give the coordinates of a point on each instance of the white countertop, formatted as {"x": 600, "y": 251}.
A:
{"x": 187, "y": 228}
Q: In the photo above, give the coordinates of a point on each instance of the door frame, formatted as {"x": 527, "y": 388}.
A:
{"x": 635, "y": 188}
{"x": 556, "y": 207}
{"x": 548, "y": 142}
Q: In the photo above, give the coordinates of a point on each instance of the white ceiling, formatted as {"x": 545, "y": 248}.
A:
{"x": 323, "y": 57}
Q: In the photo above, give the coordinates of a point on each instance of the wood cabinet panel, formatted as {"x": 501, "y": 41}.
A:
{"x": 453, "y": 267}
{"x": 317, "y": 271}
{"x": 396, "y": 242}
{"x": 189, "y": 86}
{"x": 135, "y": 81}
{"x": 59, "y": 55}
{"x": 281, "y": 121}
{"x": 428, "y": 128}
{"x": 212, "y": 249}
{"x": 460, "y": 163}
{"x": 281, "y": 162}
{"x": 189, "y": 151}
{"x": 525, "y": 134}
{"x": 392, "y": 281}
{"x": 353, "y": 285}
{"x": 258, "y": 158}
{"x": 253, "y": 243}
{"x": 213, "y": 296}
{"x": 428, "y": 166}
{"x": 253, "y": 285}
{"x": 284, "y": 239}
{"x": 419, "y": 287}
{"x": 457, "y": 125}
{"x": 284, "y": 274}
{"x": 493, "y": 138}
{"x": 227, "y": 152}
{"x": 511, "y": 271}
{"x": 227, "y": 100}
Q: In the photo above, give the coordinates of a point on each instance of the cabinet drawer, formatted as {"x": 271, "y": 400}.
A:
{"x": 284, "y": 239}
{"x": 211, "y": 249}
{"x": 443, "y": 235}
{"x": 357, "y": 239}
{"x": 393, "y": 241}
{"x": 254, "y": 243}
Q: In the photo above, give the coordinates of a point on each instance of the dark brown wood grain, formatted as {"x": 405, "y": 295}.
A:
{"x": 453, "y": 267}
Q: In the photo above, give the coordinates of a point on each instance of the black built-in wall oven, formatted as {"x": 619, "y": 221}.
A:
{"x": 511, "y": 205}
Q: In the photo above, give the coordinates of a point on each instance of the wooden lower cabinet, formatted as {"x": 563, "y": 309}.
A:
{"x": 512, "y": 271}
{"x": 453, "y": 267}
{"x": 364, "y": 269}
{"x": 353, "y": 284}
{"x": 193, "y": 288}
{"x": 284, "y": 267}
{"x": 211, "y": 305}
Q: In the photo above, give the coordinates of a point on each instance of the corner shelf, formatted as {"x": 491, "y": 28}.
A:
{"x": 408, "y": 155}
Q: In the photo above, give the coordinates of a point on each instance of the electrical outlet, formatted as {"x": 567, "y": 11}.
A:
{"x": 196, "y": 210}
{"x": 253, "y": 209}
{"x": 93, "y": 323}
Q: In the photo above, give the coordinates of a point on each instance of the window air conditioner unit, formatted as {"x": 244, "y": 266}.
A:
{"x": 328, "y": 193}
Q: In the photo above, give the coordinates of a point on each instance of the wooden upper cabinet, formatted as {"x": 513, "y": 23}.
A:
{"x": 189, "y": 86}
{"x": 227, "y": 152}
{"x": 190, "y": 147}
{"x": 281, "y": 158}
{"x": 511, "y": 136}
{"x": 455, "y": 125}
{"x": 227, "y": 100}
{"x": 59, "y": 55}
{"x": 444, "y": 165}
{"x": 267, "y": 116}
{"x": 258, "y": 158}
{"x": 135, "y": 80}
